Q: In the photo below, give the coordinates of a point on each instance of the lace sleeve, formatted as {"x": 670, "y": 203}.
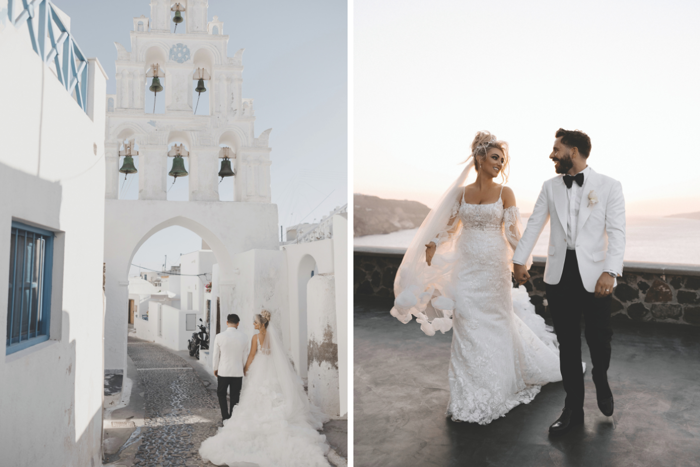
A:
{"x": 513, "y": 226}
{"x": 449, "y": 228}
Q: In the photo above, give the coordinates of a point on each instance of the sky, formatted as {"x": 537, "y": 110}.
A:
{"x": 295, "y": 68}
{"x": 429, "y": 75}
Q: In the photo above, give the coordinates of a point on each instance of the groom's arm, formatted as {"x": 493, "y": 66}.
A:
{"x": 217, "y": 354}
{"x": 615, "y": 227}
{"x": 535, "y": 225}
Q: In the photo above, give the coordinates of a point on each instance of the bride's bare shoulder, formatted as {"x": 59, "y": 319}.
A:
{"x": 508, "y": 197}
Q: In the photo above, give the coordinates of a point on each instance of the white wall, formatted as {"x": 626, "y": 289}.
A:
{"x": 52, "y": 175}
{"x": 323, "y": 345}
{"x": 341, "y": 268}
{"x": 174, "y": 333}
{"x": 197, "y": 262}
{"x": 329, "y": 257}
{"x": 301, "y": 259}
{"x": 259, "y": 283}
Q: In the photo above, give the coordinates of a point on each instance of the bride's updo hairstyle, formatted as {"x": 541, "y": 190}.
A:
{"x": 483, "y": 141}
{"x": 264, "y": 318}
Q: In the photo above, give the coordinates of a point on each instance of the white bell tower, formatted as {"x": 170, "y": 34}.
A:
{"x": 232, "y": 229}
{"x": 197, "y": 45}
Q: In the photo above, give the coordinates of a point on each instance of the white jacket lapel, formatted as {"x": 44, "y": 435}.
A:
{"x": 589, "y": 184}
{"x": 561, "y": 201}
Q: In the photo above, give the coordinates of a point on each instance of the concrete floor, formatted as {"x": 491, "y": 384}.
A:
{"x": 401, "y": 393}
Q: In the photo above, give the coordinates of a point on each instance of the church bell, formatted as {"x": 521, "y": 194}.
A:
{"x": 200, "y": 86}
{"x": 226, "y": 170}
{"x": 128, "y": 166}
{"x": 178, "y": 169}
{"x": 177, "y": 19}
{"x": 155, "y": 85}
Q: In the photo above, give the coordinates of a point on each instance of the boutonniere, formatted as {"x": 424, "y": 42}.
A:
{"x": 592, "y": 199}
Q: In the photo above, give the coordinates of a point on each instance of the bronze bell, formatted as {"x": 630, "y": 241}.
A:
{"x": 226, "y": 170}
{"x": 178, "y": 169}
{"x": 200, "y": 86}
{"x": 177, "y": 19}
{"x": 128, "y": 166}
{"x": 155, "y": 85}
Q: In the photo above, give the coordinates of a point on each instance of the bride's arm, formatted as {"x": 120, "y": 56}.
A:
{"x": 512, "y": 221}
{"x": 444, "y": 235}
{"x": 251, "y": 355}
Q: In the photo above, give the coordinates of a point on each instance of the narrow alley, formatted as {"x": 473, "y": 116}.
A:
{"x": 179, "y": 411}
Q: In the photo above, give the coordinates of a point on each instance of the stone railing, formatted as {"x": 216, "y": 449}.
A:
{"x": 668, "y": 293}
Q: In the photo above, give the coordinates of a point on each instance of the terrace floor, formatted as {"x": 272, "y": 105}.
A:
{"x": 401, "y": 392}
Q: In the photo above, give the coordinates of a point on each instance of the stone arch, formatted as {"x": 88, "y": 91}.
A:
{"x": 139, "y": 26}
{"x": 206, "y": 57}
{"x": 154, "y": 52}
{"x": 126, "y": 130}
{"x": 217, "y": 246}
{"x": 215, "y": 30}
{"x": 183, "y": 137}
{"x": 234, "y": 138}
{"x": 216, "y": 56}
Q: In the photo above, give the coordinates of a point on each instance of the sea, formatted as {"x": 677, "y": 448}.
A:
{"x": 649, "y": 240}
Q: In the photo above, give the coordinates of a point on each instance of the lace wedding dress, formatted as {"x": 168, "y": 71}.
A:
{"x": 502, "y": 351}
{"x": 273, "y": 425}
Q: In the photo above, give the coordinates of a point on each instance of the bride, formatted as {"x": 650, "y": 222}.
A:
{"x": 273, "y": 425}
{"x": 457, "y": 274}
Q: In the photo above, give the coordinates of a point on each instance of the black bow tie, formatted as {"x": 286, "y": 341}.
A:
{"x": 569, "y": 180}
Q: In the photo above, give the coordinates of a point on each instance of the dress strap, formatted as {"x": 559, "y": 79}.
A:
{"x": 501, "y": 193}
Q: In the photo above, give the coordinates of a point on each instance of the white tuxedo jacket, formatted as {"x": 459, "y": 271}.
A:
{"x": 230, "y": 352}
{"x": 600, "y": 240}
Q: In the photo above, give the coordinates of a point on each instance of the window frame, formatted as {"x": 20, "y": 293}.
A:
{"x": 43, "y": 325}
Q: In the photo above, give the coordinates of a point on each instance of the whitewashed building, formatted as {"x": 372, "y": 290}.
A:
{"x": 52, "y": 123}
{"x": 198, "y": 49}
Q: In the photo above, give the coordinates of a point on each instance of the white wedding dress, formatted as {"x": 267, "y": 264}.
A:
{"x": 502, "y": 351}
{"x": 273, "y": 425}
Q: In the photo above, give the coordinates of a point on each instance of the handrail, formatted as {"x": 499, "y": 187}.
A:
{"x": 70, "y": 62}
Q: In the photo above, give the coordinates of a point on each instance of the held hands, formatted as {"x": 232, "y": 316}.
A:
{"x": 520, "y": 273}
{"x": 604, "y": 286}
{"x": 430, "y": 252}
{"x": 245, "y": 371}
{"x": 216, "y": 373}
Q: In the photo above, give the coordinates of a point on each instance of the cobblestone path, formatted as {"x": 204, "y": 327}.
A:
{"x": 180, "y": 411}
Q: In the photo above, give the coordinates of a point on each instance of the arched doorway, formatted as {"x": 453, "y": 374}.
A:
{"x": 119, "y": 256}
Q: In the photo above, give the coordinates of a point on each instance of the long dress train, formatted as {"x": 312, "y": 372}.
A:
{"x": 273, "y": 425}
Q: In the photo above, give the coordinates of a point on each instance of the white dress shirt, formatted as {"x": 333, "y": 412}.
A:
{"x": 574, "y": 193}
{"x": 230, "y": 352}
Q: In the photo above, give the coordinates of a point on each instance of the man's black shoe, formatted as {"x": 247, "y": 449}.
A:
{"x": 606, "y": 406}
{"x": 568, "y": 419}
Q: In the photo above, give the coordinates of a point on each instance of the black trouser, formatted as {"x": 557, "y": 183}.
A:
{"x": 568, "y": 300}
{"x": 226, "y": 382}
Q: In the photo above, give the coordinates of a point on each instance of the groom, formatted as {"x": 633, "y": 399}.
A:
{"x": 586, "y": 247}
{"x": 229, "y": 359}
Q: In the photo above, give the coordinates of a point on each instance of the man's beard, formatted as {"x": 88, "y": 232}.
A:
{"x": 564, "y": 165}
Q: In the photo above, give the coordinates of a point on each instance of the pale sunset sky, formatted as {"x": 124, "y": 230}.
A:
{"x": 428, "y": 75}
